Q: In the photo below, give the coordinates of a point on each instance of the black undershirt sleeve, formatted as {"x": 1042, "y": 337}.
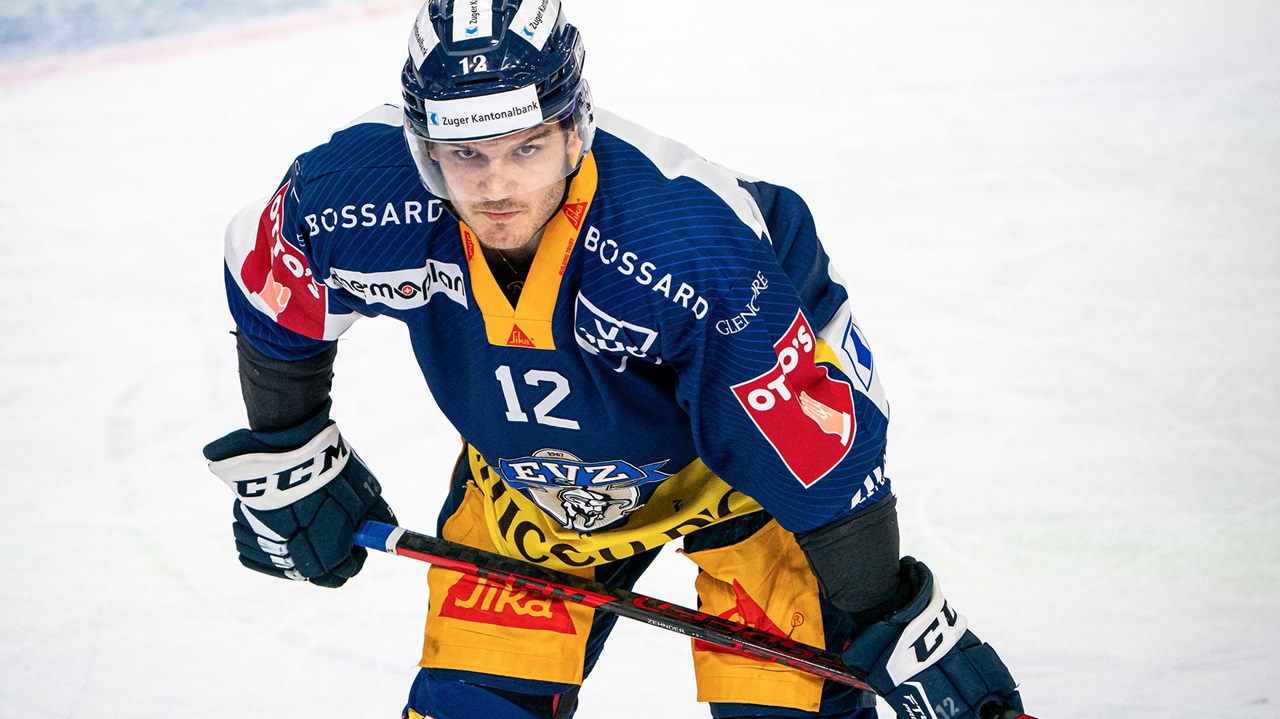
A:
{"x": 279, "y": 394}
{"x": 856, "y": 562}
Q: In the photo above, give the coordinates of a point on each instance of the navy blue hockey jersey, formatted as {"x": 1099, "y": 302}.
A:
{"x": 680, "y": 352}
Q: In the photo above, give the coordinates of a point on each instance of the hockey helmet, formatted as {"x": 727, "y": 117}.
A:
{"x": 481, "y": 75}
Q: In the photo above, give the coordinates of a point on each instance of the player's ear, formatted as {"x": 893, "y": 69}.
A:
{"x": 573, "y": 142}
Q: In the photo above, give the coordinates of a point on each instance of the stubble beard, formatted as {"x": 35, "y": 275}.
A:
{"x": 521, "y": 232}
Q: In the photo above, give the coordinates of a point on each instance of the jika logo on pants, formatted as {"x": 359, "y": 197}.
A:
{"x": 804, "y": 413}
{"x": 475, "y": 599}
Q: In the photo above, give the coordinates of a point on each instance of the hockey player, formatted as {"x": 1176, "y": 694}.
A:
{"x": 637, "y": 346}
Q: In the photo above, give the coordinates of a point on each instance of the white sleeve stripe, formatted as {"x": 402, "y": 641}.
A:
{"x": 676, "y": 160}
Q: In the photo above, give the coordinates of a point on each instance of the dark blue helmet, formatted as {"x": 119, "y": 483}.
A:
{"x": 485, "y": 69}
{"x": 466, "y": 49}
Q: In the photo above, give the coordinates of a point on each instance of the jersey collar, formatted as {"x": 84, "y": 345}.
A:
{"x": 528, "y": 324}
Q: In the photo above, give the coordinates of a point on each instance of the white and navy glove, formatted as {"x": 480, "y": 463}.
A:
{"x": 300, "y": 494}
{"x": 926, "y": 663}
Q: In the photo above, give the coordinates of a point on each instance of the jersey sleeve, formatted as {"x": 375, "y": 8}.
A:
{"x": 274, "y": 283}
{"x": 785, "y": 401}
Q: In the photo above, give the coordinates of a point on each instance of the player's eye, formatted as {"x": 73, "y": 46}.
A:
{"x": 465, "y": 153}
{"x": 528, "y": 150}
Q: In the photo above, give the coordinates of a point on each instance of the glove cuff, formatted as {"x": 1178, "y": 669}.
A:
{"x": 913, "y": 638}
{"x": 270, "y": 480}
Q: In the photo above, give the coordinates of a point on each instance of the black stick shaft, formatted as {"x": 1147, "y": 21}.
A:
{"x": 733, "y": 636}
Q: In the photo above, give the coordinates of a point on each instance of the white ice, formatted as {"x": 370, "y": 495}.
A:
{"x": 1060, "y": 223}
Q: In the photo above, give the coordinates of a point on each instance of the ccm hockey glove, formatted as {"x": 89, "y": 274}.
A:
{"x": 300, "y": 494}
{"x": 926, "y": 663}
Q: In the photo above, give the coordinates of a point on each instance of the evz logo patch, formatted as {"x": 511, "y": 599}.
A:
{"x": 612, "y": 339}
{"x": 806, "y": 415}
{"x": 583, "y": 496}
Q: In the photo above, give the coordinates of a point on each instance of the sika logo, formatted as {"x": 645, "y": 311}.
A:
{"x": 518, "y": 338}
{"x": 475, "y": 599}
{"x": 575, "y": 214}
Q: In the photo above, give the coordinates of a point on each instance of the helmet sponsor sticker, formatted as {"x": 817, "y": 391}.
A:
{"x": 535, "y": 20}
{"x": 403, "y": 289}
{"x": 805, "y": 413}
{"x": 483, "y": 116}
{"x": 472, "y": 19}
{"x": 422, "y": 39}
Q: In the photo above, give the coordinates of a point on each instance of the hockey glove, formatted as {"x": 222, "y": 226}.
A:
{"x": 300, "y": 494}
{"x": 925, "y": 662}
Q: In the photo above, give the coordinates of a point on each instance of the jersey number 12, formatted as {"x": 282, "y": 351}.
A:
{"x": 541, "y": 410}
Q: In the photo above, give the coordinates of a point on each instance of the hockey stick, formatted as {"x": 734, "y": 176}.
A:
{"x": 733, "y": 636}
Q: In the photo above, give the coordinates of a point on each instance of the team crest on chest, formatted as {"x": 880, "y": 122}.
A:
{"x": 582, "y": 496}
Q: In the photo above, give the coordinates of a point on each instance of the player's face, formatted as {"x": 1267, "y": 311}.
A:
{"x": 508, "y": 188}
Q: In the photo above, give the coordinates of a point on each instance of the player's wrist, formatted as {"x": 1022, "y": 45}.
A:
{"x": 923, "y": 657}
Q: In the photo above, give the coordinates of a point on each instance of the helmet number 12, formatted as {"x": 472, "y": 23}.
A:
{"x": 542, "y": 410}
{"x": 479, "y": 63}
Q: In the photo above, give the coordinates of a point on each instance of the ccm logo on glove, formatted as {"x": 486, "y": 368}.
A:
{"x": 259, "y": 483}
{"x": 926, "y": 639}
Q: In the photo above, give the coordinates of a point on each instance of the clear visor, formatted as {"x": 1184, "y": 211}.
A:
{"x": 498, "y": 168}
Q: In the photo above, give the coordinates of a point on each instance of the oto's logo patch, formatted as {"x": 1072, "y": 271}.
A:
{"x": 806, "y": 415}
{"x": 278, "y": 275}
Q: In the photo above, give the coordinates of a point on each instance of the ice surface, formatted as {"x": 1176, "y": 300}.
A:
{"x": 1060, "y": 223}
